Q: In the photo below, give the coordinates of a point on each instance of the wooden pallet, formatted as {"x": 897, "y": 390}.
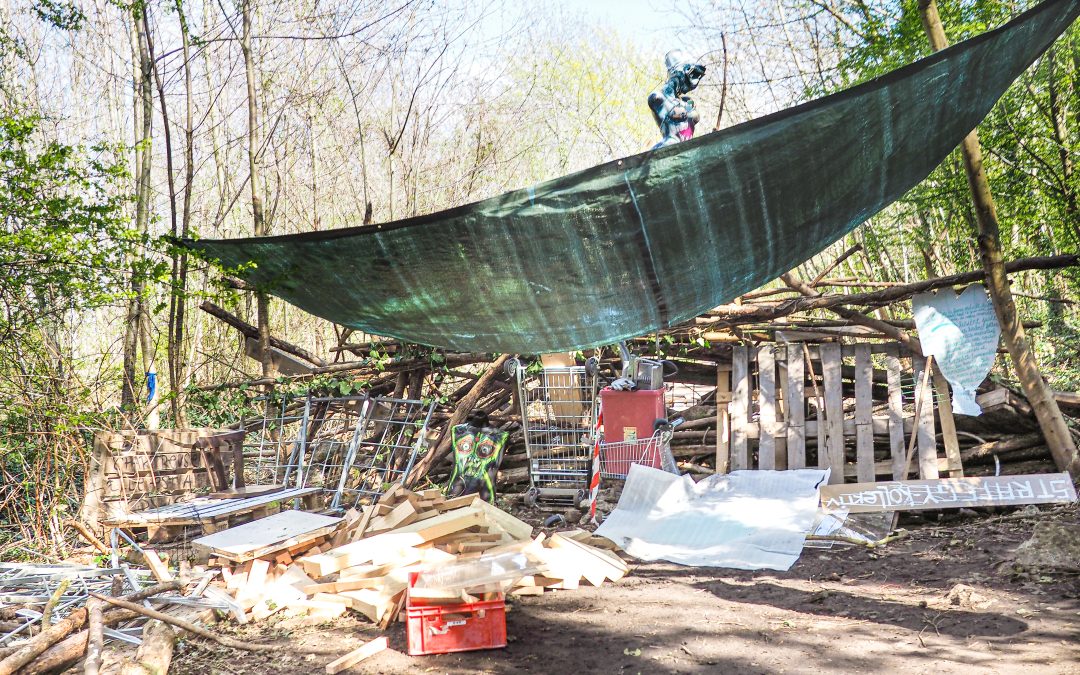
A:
{"x": 211, "y": 515}
{"x": 849, "y": 408}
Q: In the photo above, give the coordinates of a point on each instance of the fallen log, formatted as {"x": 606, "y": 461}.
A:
{"x": 87, "y": 535}
{"x": 739, "y": 314}
{"x": 986, "y": 451}
{"x": 247, "y": 330}
{"x": 464, "y": 407}
{"x": 156, "y": 651}
{"x": 95, "y": 637}
{"x": 65, "y": 653}
{"x": 72, "y": 622}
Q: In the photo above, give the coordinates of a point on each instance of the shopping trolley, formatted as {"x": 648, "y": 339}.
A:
{"x": 558, "y": 412}
{"x": 655, "y": 451}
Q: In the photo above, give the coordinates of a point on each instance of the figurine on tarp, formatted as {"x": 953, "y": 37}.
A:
{"x": 672, "y": 109}
{"x": 478, "y": 451}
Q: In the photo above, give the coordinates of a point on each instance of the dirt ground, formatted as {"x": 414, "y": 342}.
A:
{"x": 849, "y": 610}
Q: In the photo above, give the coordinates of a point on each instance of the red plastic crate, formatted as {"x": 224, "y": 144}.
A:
{"x": 440, "y": 629}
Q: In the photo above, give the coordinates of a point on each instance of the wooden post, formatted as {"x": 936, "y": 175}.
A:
{"x": 948, "y": 424}
{"x": 1057, "y": 435}
{"x": 723, "y": 419}
{"x": 796, "y": 407}
{"x": 925, "y": 430}
{"x": 767, "y": 405}
{"x": 864, "y": 420}
{"x": 834, "y": 410}
{"x": 896, "y": 413}
{"x": 740, "y": 407}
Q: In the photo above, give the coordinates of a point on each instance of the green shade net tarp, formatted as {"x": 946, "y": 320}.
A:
{"x": 649, "y": 241}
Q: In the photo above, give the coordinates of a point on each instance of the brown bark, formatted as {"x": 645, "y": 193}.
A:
{"x": 853, "y": 316}
{"x": 69, "y": 650}
{"x": 61, "y": 629}
{"x": 143, "y": 113}
{"x": 1057, "y": 435}
{"x": 250, "y": 331}
{"x": 462, "y": 411}
{"x": 156, "y": 651}
{"x": 262, "y": 300}
{"x": 95, "y": 637}
{"x": 747, "y": 313}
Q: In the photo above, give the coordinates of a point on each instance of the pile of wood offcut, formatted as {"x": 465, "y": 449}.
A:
{"x": 362, "y": 562}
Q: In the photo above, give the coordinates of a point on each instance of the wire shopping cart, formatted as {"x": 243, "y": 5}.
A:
{"x": 655, "y": 451}
{"x": 558, "y": 412}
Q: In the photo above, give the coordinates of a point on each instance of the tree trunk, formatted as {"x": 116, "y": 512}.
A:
{"x": 143, "y": 112}
{"x": 1038, "y": 394}
{"x": 261, "y": 298}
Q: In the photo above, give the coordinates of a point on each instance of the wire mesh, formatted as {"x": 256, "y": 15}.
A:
{"x": 384, "y": 448}
{"x": 558, "y": 408}
{"x": 273, "y": 445}
{"x": 616, "y": 458}
{"x": 332, "y": 427}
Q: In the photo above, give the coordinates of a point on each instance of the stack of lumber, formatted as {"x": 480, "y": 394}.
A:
{"x": 361, "y": 563}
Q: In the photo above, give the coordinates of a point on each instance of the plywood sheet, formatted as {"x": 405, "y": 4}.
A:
{"x": 263, "y": 536}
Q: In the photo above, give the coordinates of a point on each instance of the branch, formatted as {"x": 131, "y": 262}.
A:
{"x": 250, "y": 331}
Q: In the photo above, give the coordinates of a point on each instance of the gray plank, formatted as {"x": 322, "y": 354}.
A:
{"x": 723, "y": 419}
{"x": 834, "y": 410}
{"x": 767, "y": 407}
{"x": 897, "y": 447}
{"x": 864, "y": 409}
{"x": 740, "y": 407}
{"x": 926, "y": 431}
{"x": 795, "y": 412}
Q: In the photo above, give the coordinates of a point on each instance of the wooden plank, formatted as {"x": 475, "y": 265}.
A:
{"x": 402, "y": 514}
{"x": 834, "y": 411}
{"x": 740, "y": 407}
{"x": 926, "y": 431}
{"x": 281, "y": 531}
{"x": 157, "y": 567}
{"x": 455, "y": 503}
{"x": 518, "y": 529}
{"x": 766, "y": 360}
{"x": 723, "y": 419}
{"x": 795, "y": 412}
{"x": 897, "y": 446}
{"x": 950, "y": 493}
{"x": 247, "y": 491}
{"x": 948, "y": 424}
{"x": 387, "y": 546}
{"x": 864, "y": 410}
{"x": 343, "y": 585}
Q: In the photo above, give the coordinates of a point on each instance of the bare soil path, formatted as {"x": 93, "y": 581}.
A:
{"x": 839, "y": 611}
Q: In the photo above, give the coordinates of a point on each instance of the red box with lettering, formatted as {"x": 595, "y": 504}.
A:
{"x": 630, "y": 415}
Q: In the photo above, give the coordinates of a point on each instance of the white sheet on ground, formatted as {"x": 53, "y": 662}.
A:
{"x": 747, "y": 520}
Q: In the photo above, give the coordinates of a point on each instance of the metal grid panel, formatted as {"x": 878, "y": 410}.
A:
{"x": 272, "y": 448}
{"x": 333, "y": 425}
{"x": 384, "y": 448}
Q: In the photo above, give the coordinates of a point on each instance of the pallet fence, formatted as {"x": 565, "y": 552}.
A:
{"x": 849, "y": 408}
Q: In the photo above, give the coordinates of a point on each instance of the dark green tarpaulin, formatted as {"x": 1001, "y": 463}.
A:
{"x": 646, "y": 242}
